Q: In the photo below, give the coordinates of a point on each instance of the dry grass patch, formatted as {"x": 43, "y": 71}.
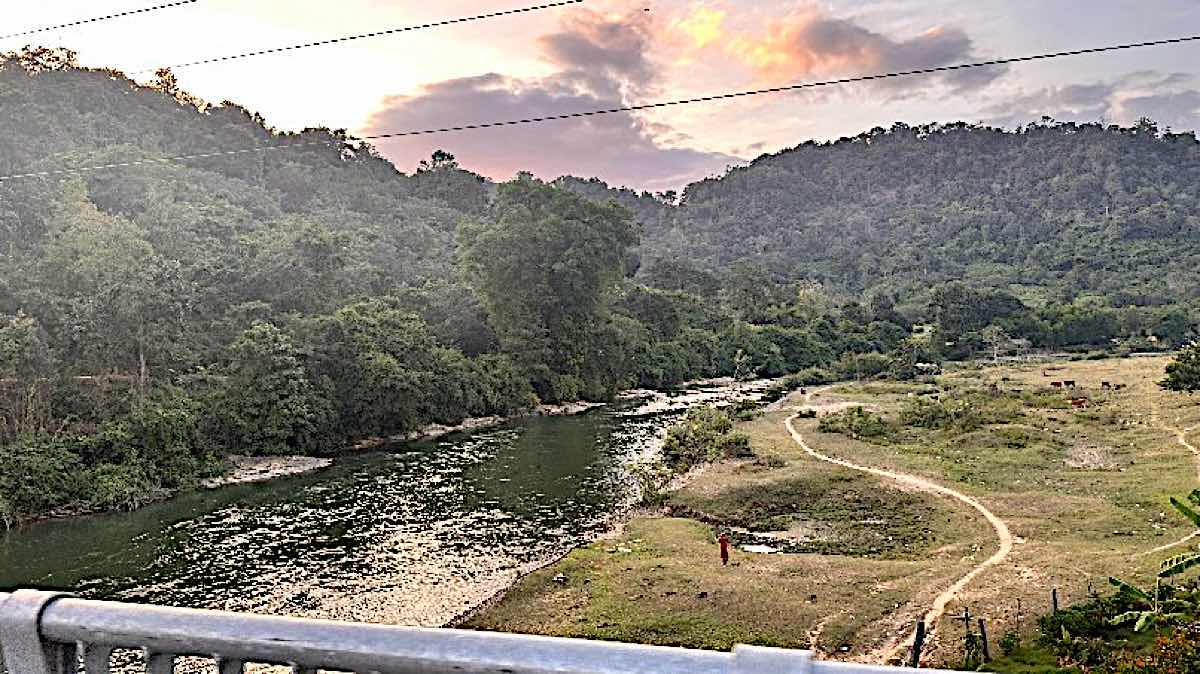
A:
{"x": 1085, "y": 491}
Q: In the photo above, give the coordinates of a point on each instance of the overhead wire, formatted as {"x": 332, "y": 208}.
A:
{"x": 98, "y": 19}
{"x": 622, "y": 109}
{"x": 364, "y": 36}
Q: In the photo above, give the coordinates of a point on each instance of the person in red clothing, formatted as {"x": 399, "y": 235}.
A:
{"x": 723, "y": 540}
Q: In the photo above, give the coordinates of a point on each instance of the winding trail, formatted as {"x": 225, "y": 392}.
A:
{"x": 889, "y": 651}
{"x": 1180, "y": 437}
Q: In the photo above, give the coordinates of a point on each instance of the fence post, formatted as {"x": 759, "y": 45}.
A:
{"x": 918, "y": 644}
{"x": 1054, "y": 600}
{"x": 987, "y": 652}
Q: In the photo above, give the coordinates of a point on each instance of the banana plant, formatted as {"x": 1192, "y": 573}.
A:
{"x": 1178, "y": 564}
{"x": 1187, "y": 510}
{"x": 1169, "y": 611}
{"x": 1161, "y": 612}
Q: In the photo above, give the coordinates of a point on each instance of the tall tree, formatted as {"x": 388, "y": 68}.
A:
{"x": 273, "y": 406}
{"x": 127, "y": 303}
{"x": 1183, "y": 373}
{"x": 27, "y": 375}
{"x": 544, "y": 267}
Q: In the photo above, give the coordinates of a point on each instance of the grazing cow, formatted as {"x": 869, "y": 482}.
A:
{"x": 1105, "y": 385}
{"x": 1079, "y": 403}
{"x": 1069, "y": 383}
{"x": 1120, "y": 387}
{"x": 1056, "y": 384}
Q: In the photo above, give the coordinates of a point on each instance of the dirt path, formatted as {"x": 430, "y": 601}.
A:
{"x": 891, "y": 650}
{"x": 1180, "y": 437}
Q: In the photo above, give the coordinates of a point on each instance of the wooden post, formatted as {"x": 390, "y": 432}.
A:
{"x": 918, "y": 643}
{"x": 1054, "y": 600}
{"x": 1018, "y": 615}
{"x": 966, "y": 621}
{"x": 987, "y": 653}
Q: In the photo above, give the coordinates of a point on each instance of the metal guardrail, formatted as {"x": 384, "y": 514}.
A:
{"x": 54, "y": 633}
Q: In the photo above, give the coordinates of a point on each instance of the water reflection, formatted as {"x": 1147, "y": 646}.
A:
{"x": 416, "y": 535}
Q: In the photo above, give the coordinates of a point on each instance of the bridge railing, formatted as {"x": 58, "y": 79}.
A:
{"x": 50, "y": 633}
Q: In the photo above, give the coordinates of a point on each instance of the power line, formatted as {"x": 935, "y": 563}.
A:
{"x": 364, "y": 36}
{"x": 785, "y": 88}
{"x": 98, "y": 19}
{"x": 627, "y": 108}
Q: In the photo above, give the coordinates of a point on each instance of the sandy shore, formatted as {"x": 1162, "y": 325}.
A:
{"x": 248, "y": 469}
{"x": 434, "y": 431}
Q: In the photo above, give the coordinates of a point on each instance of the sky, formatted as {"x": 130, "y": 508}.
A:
{"x": 609, "y": 53}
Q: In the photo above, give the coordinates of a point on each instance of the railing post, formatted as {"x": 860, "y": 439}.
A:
{"x": 21, "y": 640}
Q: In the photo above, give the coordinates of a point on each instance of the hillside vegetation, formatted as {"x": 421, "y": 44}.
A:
{"x": 1052, "y": 211}
{"x": 161, "y": 315}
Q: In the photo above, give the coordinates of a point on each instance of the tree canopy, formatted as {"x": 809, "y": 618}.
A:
{"x": 156, "y": 317}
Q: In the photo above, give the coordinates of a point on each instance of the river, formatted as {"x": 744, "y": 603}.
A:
{"x": 416, "y": 534}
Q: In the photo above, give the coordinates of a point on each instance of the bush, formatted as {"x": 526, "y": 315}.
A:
{"x": 652, "y": 477}
{"x": 1177, "y": 652}
{"x": 36, "y": 475}
{"x": 706, "y": 434}
{"x": 1081, "y": 634}
{"x": 855, "y": 422}
{"x": 862, "y": 365}
{"x": 970, "y": 411}
{"x": 961, "y": 415}
{"x": 792, "y": 382}
{"x": 125, "y": 464}
{"x": 746, "y": 410}
{"x": 1010, "y": 642}
{"x": 734, "y": 445}
{"x": 125, "y": 487}
{"x": 785, "y": 385}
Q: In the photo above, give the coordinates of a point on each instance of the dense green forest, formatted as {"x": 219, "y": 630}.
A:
{"x": 160, "y": 316}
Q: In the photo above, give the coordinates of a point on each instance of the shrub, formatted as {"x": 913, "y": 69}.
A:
{"x": 36, "y": 476}
{"x": 855, "y": 422}
{"x": 652, "y": 477}
{"x": 808, "y": 377}
{"x": 705, "y": 435}
{"x": 1177, "y": 652}
{"x": 734, "y": 445}
{"x": 862, "y": 365}
{"x": 1010, "y": 642}
{"x": 746, "y": 410}
{"x": 962, "y": 415}
{"x": 124, "y": 487}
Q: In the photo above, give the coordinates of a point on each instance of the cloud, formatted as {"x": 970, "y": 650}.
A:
{"x": 1171, "y": 99}
{"x": 703, "y": 25}
{"x": 811, "y": 43}
{"x": 601, "y": 51}
{"x": 1178, "y": 110}
{"x": 601, "y": 62}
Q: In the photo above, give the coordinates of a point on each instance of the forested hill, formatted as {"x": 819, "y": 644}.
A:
{"x": 1062, "y": 209}
{"x": 161, "y": 314}
{"x": 1053, "y": 211}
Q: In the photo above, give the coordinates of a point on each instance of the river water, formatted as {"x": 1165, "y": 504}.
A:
{"x": 415, "y": 535}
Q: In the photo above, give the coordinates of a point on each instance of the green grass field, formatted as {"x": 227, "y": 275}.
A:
{"x": 1084, "y": 491}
